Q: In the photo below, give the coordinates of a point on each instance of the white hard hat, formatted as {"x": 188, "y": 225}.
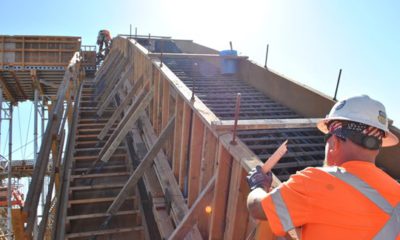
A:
{"x": 361, "y": 109}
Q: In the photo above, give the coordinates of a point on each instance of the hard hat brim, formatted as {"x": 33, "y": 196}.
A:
{"x": 389, "y": 140}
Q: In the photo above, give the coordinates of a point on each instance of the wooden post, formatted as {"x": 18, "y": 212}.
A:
{"x": 196, "y": 148}
{"x": 177, "y": 136}
{"x": 221, "y": 193}
{"x": 187, "y": 111}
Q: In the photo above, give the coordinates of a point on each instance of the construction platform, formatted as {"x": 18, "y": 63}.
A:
{"x": 153, "y": 151}
{"x": 40, "y": 61}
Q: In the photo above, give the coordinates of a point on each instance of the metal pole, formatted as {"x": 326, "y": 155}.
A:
{"x": 230, "y": 44}
{"x": 42, "y": 132}
{"x": 35, "y": 126}
{"x": 135, "y": 32}
{"x": 337, "y": 84}
{"x": 1, "y": 110}
{"x": 130, "y": 31}
{"x": 9, "y": 213}
{"x": 266, "y": 57}
{"x": 237, "y": 113}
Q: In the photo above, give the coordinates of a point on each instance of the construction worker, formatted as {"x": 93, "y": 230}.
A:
{"x": 103, "y": 38}
{"x": 348, "y": 198}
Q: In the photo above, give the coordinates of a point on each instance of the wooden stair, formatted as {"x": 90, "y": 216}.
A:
{"x": 91, "y": 193}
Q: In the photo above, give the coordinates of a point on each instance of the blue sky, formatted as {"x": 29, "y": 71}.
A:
{"x": 309, "y": 40}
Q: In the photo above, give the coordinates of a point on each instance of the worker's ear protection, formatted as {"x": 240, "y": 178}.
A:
{"x": 366, "y": 141}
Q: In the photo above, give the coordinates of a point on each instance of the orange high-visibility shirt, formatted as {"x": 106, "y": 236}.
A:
{"x": 328, "y": 208}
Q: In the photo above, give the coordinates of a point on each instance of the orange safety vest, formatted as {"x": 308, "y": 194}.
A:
{"x": 354, "y": 201}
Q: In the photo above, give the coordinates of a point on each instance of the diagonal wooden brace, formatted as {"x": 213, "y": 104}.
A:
{"x": 145, "y": 164}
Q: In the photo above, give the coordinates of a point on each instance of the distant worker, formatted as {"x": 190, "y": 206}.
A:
{"x": 103, "y": 38}
{"x": 348, "y": 198}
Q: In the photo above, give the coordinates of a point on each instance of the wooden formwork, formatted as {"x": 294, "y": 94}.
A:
{"x": 197, "y": 183}
{"x": 207, "y": 168}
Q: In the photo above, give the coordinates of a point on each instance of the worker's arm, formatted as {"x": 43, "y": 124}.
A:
{"x": 254, "y": 203}
{"x": 259, "y": 182}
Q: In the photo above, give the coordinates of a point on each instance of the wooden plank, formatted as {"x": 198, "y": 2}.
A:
{"x": 195, "y": 212}
{"x": 18, "y": 84}
{"x": 221, "y": 194}
{"x": 209, "y": 154}
{"x": 167, "y": 180}
{"x": 196, "y": 149}
{"x": 183, "y": 170}
{"x": 237, "y": 215}
{"x": 257, "y": 124}
{"x": 6, "y": 89}
{"x": 99, "y": 215}
{"x": 120, "y": 109}
{"x": 36, "y": 83}
{"x": 111, "y": 77}
{"x": 96, "y": 187}
{"x": 195, "y": 55}
{"x": 114, "y": 91}
{"x": 102, "y": 232}
{"x": 165, "y": 103}
{"x": 161, "y": 213}
{"x": 156, "y": 103}
{"x": 99, "y": 175}
{"x": 177, "y": 136}
{"x": 141, "y": 168}
{"x": 124, "y": 126}
{"x": 96, "y": 200}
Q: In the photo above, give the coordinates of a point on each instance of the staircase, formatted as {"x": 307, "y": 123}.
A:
{"x": 93, "y": 187}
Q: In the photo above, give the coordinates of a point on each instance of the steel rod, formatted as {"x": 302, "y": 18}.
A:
{"x": 337, "y": 84}
{"x": 266, "y": 57}
{"x": 237, "y": 113}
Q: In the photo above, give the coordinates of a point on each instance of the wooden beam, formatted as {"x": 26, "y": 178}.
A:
{"x": 195, "y": 55}
{"x": 237, "y": 214}
{"x": 103, "y": 232}
{"x": 49, "y": 84}
{"x": 125, "y": 125}
{"x": 36, "y": 82}
{"x": 6, "y": 90}
{"x": 167, "y": 180}
{"x": 18, "y": 84}
{"x": 115, "y": 75}
{"x": 186, "y": 121}
{"x": 195, "y": 212}
{"x": 177, "y": 136}
{"x": 111, "y": 96}
{"x": 165, "y": 103}
{"x": 257, "y": 124}
{"x": 141, "y": 168}
{"x": 196, "y": 149}
{"x": 120, "y": 109}
{"x": 156, "y": 102}
{"x": 221, "y": 193}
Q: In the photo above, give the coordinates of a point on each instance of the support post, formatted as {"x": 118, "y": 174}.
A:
{"x": 1, "y": 110}
{"x": 9, "y": 209}
{"x": 35, "y": 125}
